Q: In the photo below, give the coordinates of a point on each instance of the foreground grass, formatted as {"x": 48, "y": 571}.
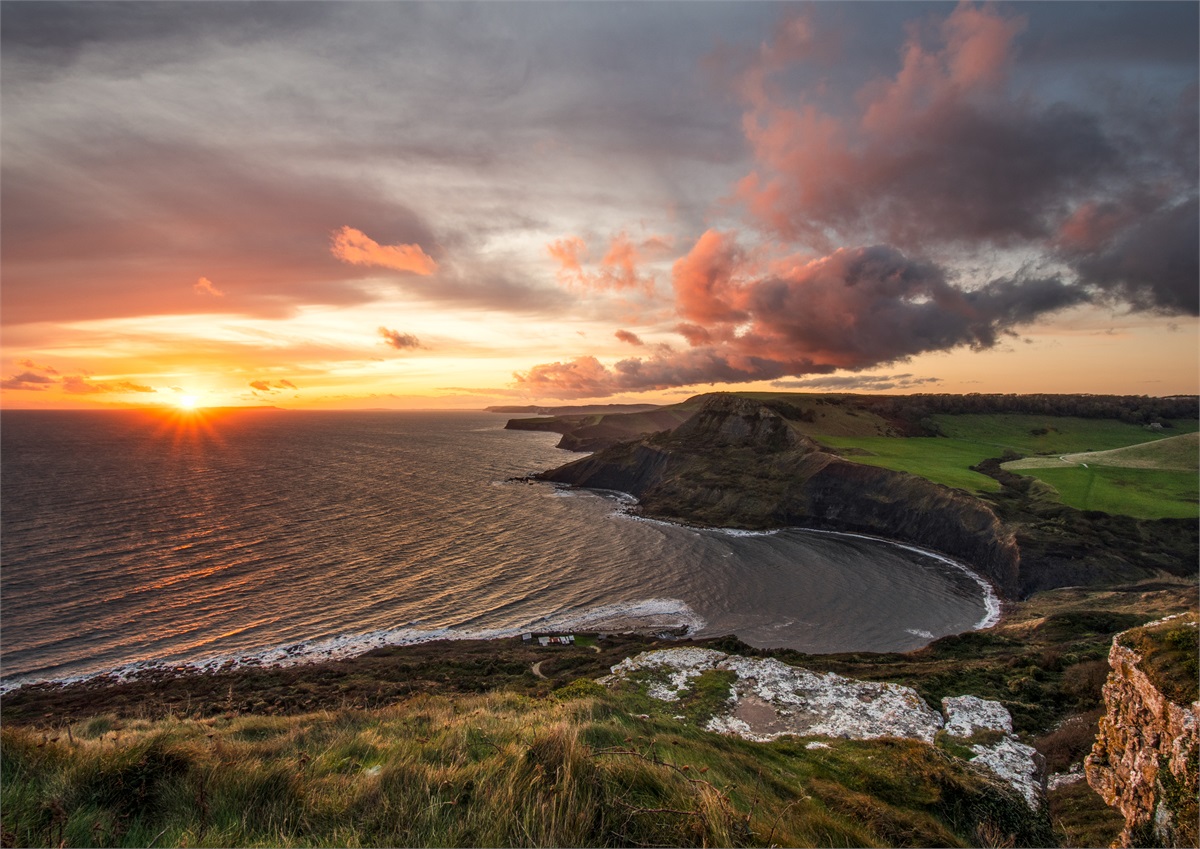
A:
{"x": 573, "y": 769}
{"x": 1170, "y": 657}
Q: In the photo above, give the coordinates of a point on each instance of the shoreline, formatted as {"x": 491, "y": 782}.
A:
{"x": 993, "y": 603}
{"x": 634, "y": 618}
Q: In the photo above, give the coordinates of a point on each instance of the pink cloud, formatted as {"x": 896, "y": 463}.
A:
{"x": 939, "y": 152}
{"x": 851, "y": 309}
{"x": 204, "y": 286}
{"x": 704, "y": 280}
{"x": 627, "y": 336}
{"x": 619, "y": 269}
{"x": 267, "y": 386}
{"x": 357, "y": 248}
{"x": 30, "y": 364}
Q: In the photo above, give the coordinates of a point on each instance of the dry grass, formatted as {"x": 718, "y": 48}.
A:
{"x": 494, "y": 770}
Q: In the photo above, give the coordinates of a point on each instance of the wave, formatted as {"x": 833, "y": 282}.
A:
{"x": 653, "y": 614}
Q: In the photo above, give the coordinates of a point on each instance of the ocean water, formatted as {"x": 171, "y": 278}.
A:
{"x": 130, "y": 539}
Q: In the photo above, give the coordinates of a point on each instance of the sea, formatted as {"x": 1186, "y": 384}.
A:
{"x": 136, "y": 539}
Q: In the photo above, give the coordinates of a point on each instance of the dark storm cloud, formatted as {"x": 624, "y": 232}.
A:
{"x": 1147, "y": 33}
{"x": 853, "y": 309}
{"x": 1150, "y": 261}
{"x": 942, "y": 151}
{"x": 58, "y": 32}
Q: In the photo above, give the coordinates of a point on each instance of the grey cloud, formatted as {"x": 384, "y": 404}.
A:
{"x": 111, "y": 223}
{"x": 399, "y": 341}
{"x": 1153, "y": 263}
{"x": 27, "y": 380}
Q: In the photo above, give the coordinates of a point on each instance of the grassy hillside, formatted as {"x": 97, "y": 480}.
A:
{"x": 1173, "y": 453}
{"x": 576, "y": 769}
{"x": 944, "y": 461}
{"x": 1141, "y": 493}
{"x": 1157, "y": 490}
{"x": 1153, "y": 480}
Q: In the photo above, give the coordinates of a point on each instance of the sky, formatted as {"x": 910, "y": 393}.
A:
{"x": 452, "y": 205}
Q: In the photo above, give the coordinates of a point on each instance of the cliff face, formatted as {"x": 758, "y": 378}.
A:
{"x": 1144, "y": 762}
{"x": 737, "y": 463}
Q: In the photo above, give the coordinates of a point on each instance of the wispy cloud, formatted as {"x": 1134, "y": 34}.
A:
{"x": 28, "y": 380}
{"x": 204, "y": 286}
{"x": 82, "y": 385}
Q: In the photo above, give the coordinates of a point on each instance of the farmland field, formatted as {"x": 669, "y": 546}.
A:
{"x": 1142, "y": 493}
{"x": 970, "y": 439}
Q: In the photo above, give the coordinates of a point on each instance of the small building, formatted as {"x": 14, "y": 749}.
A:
{"x": 557, "y": 640}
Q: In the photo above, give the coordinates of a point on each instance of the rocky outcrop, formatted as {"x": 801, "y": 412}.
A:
{"x": 769, "y": 699}
{"x": 1144, "y": 762}
{"x": 737, "y": 463}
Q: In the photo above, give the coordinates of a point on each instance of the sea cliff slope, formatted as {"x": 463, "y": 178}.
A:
{"x": 737, "y": 463}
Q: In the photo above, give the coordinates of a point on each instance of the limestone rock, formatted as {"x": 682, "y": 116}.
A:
{"x": 966, "y": 715}
{"x": 1144, "y": 761}
{"x": 769, "y": 699}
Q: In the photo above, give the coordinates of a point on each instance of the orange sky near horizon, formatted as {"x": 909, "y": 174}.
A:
{"x": 585, "y": 203}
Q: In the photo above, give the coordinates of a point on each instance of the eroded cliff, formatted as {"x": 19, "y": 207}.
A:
{"x": 1144, "y": 762}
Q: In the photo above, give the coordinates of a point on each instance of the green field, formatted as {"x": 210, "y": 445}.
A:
{"x": 1061, "y": 435}
{"x": 970, "y": 439}
{"x": 944, "y": 461}
{"x": 1177, "y": 453}
{"x": 1142, "y": 493}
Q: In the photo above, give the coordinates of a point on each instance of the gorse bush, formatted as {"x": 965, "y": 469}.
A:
{"x": 496, "y": 770}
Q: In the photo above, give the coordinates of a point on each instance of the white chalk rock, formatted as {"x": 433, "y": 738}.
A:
{"x": 967, "y": 714}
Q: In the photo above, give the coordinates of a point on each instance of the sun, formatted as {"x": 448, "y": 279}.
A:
{"x": 187, "y": 402}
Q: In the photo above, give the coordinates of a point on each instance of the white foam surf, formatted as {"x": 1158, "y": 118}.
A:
{"x": 650, "y": 615}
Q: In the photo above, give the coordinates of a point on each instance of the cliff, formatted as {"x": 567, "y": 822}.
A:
{"x": 1144, "y": 762}
{"x": 737, "y": 463}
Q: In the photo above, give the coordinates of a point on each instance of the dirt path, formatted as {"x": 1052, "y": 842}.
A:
{"x": 537, "y": 669}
